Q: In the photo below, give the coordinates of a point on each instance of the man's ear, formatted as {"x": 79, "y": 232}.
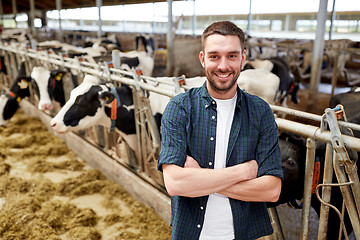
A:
{"x": 202, "y": 58}
{"x": 243, "y": 59}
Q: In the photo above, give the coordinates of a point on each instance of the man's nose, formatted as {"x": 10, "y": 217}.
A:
{"x": 223, "y": 64}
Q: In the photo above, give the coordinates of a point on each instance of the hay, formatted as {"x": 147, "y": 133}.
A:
{"x": 37, "y": 206}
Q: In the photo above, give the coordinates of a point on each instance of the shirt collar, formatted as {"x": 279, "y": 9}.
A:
{"x": 208, "y": 100}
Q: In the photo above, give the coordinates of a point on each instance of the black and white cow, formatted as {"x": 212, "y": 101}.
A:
{"x": 50, "y": 85}
{"x": 145, "y": 43}
{"x": 288, "y": 84}
{"x": 9, "y": 102}
{"x": 293, "y": 153}
{"x": 142, "y": 58}
{"x": 90, "y": 105}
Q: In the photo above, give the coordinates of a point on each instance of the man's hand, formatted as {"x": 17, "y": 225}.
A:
{"x": 252, "y": 168}
{"x": 191, "y": 163}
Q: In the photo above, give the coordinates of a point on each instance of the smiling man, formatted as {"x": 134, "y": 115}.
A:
{"x": 219, "y": 152}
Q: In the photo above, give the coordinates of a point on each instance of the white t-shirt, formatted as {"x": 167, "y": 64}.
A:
{"x": 218, "y": 223}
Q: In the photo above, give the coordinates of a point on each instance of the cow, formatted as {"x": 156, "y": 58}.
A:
{"x": 278, "y": 66}
{"x": 50, "y": 85}
{"x": 9, "y": 102}
{"x": 259, "y": 82}
{"x": 260, "y": 48}
{"x": 350, "y": 100}
{"x": 109, "y": 41}
{"x": 142, "y": 58}
{"x": 293, "y": 154}
{"x": 87, "y": 105}
{"x": 90, "y": 104}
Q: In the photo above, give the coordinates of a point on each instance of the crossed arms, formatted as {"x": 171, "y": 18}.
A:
{"x": 237, "y": 182}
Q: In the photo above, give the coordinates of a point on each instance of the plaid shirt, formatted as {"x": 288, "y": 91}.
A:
{"x": 188, "y": 127}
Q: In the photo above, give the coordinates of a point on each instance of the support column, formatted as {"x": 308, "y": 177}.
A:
{"x": 333, "y": 15}
{"x": 32, "y": 16}
{"x": 1, "y": 13}
{"x": 170, "y": 41}
{"x": 318, "y": 53}
{"x": 194, "y": 20}
{"x": 249, "y": 19}
{"x": 287, "y": 23}
{"x": 99, "y": 5}
{"x": 154, "y": 17}
{"x": 58, "y": 8}
{"x": 14, "y": 9}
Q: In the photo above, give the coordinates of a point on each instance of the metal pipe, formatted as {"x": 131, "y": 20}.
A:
{"x": 275, "y": 222}
{"x": 311, "y": 116}
{"x": 309, "y": 173}
{"x": 326, "y": 193}
{"x": 314, "y": 132}
{"x": 348, "y": 198}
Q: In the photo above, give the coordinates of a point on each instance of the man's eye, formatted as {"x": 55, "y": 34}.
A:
{"x": 213, "y": 57}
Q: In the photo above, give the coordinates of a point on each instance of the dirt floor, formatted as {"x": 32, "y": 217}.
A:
{"x": 47, "y": 192}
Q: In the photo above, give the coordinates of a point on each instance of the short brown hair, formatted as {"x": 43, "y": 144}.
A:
{"x": 223, "y": 28}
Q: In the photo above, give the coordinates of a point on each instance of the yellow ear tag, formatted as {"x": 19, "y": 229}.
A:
{"x": 18, "y": 99}
{"x": 58, "y": 77}
{"x": 107, "y": 99}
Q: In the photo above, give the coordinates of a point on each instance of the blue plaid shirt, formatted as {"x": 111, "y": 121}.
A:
{"x": 189, "y": 128}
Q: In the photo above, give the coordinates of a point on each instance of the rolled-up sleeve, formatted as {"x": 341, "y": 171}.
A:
{"x": 268, "y": 150}
{"x": 173, "y": 135}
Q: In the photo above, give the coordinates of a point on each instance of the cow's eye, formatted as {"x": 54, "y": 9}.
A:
{"x": 290, "y": 162}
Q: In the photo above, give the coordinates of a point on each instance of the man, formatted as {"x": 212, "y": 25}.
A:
{"x": 219, "y": 153}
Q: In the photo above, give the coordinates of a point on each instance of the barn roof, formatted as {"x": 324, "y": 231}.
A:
{"x": 23, "y": 6}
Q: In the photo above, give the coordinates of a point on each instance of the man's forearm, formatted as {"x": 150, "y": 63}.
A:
{"x": 262, "y": 189}
{"x": 195, "y": 182}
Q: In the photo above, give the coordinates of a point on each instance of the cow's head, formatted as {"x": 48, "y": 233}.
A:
{"x": 49, "y": 85}
{"x": 145, "y": 43}
{"x": 90, "y": 105}
{"x": 41, "y": 76}
{"x": 55, "y": 86}
{"x": 83, "y": 109}
{"x": 293, "y": 154}
{"x": 9, "y": 102}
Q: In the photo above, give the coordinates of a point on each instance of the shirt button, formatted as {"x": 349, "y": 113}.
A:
{"x": 206, "y": 105}
{"x": 213, "y": 117}
{"x": 202, "y": 208}
{"x": 210, "y": 163}
{"x": 198, "y": 226}
{"x": 211, "y": 139}
{"x": 213, "y": 102}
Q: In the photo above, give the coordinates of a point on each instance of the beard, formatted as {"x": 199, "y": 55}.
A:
{"x": 221, "y": 87}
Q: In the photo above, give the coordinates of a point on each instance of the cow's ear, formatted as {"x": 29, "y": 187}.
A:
{"x": 107, "y": 97}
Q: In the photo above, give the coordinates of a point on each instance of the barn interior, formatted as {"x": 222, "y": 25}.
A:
{"x": 326, "y": 62}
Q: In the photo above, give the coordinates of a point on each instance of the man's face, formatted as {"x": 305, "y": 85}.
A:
{"x": 222, "y": 60}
